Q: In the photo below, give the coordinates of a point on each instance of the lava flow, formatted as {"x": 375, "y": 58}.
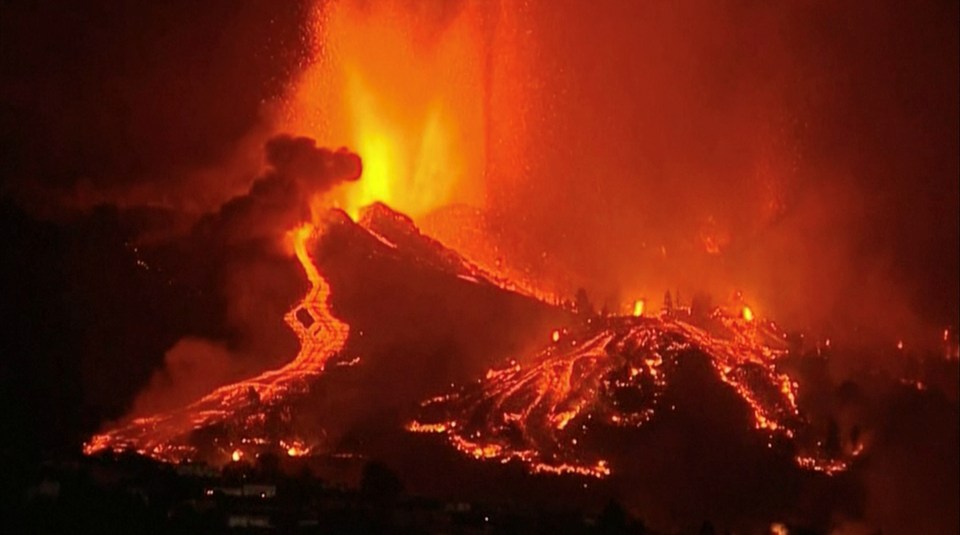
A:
{"x": 615, "y": 373}
{"x": 165, "y": 436}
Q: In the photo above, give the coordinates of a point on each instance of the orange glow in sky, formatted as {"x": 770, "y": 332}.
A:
{"x": 403, "y": 86}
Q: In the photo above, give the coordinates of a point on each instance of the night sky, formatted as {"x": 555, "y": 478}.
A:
{"x": 122, "y": 102}
{"x": 825, "y": 138}
{"x": 850, "y": 110}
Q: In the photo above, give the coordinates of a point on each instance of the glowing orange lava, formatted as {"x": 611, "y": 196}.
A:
{"x": 403, "y": 86}
{"x": 295, "y": 448}
{"x": 166, "y": 436}
{"x": 435, "y": 97}
{"x": 614, "y": 375}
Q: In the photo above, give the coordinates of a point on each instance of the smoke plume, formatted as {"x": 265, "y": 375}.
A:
{"x": 238, "y": 252}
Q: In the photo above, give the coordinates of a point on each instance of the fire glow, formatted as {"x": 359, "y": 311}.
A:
{"x": 409, "y": 85}
{"x": 615, "y": 375}
{"x": 166, "y": 436}
{"x": 548, "y": 303}
{"x": 410, "y": 94}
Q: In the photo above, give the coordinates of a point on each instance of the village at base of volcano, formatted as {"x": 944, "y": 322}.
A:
{"x": 480, "y": 266}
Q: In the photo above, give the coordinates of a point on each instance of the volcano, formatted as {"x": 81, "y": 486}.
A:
{"x": 416, "y": 309}
{"x": 623, "y": 373}
{"x": 413, "y": 355}
{"x": 393, "y": 303}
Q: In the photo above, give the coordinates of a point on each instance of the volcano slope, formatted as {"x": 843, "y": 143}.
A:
{"x": 391, "y": 316}
{"x": 676, "y": 413}
{"x": 686, "y": 415}
{"x": 421, "y": 317}
{"x": 682, "y": 416}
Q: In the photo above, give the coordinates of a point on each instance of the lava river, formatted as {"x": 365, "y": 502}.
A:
{"x": 166, "y": 436}
{"x": 615, "y": 373}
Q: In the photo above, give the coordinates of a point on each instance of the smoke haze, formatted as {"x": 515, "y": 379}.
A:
{"x": 804, "y": 153}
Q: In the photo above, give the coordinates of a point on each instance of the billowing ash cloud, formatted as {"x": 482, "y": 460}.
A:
{"x": 299, "y": 172}
{"x": 236, "y": 252}
{"x": 301, "y": 158}
{"x": 727, "y": 145}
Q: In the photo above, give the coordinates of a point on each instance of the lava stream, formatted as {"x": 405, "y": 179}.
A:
{"x": 165, "y": 436}
{"x": 614, "y": 374}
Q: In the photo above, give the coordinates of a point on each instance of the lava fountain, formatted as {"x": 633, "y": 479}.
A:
{"x": 404, "y": 86}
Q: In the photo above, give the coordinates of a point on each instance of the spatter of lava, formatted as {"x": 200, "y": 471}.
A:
{"x": 166, "y": 436}
{"x": 613, "y": 373}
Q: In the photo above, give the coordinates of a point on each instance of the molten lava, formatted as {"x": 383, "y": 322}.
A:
{"x": 613, "y": 374}
{"x": 166, "y": 436}
{"x": 434, "y": 97}
{"x": 403, "y": 86}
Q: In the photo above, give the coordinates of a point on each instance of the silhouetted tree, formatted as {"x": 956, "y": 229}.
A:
{"x": 667, "y": 301}
{"x": 582, "y": 304}
{"x": 701, "y": 306}
{"x": 253, "y": 397}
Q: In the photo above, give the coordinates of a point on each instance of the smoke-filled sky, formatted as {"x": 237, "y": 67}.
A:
{"x": 814, "y": 145}
{"x": 803, "y": 152}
